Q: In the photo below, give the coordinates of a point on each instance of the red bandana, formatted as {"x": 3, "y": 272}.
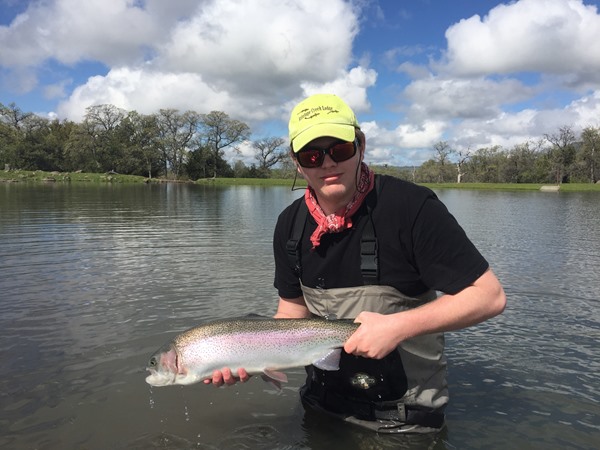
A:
{"x": 339, "y": 220}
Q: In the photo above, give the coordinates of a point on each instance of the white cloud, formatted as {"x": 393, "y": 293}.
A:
{"x": 20, "y": 80}
{"x": 262, "y": 44}
{"x": 57, "y": 90}
{"x": 351, "y": 86}
{"x": 453, "y": 97}
{"x": 407, "y": 142}
{"x": 508, "y": 129}
{"x": 247, "y": 65}
{"x": 145, "y": 92}
{"x": 552, "y": 36}
{"x": 528, "y": 52}
{"x": 587, "y": 110}
{"x": 70, "y": 31}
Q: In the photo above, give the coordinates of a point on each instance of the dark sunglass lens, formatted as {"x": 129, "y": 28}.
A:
{"x": 310, "y": 158}
{"x": 342, "y": 152}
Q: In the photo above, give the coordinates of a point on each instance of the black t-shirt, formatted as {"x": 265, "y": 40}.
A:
{"x": 421, "y": 246}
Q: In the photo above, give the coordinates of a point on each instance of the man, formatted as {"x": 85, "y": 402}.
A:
{"x": 374, "y": 249}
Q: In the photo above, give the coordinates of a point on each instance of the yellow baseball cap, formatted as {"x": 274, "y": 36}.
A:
{"x": 321, "y": 115}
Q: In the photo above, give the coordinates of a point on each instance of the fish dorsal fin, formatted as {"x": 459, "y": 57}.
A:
{"x": 331, "y": 361}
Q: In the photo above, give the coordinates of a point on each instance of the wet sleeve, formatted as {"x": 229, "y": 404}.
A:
{"x": 446, "y": 258}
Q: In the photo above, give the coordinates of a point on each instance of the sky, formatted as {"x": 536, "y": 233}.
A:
{"x": 473, "y": 73}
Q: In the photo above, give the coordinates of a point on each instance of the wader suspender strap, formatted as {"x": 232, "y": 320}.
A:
{"x": 293, "y": 244}
{"x": 368, "y": 243}
{"x": 369, "y": 263}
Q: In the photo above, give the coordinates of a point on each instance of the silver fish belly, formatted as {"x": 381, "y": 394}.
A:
{"x": 260, "y": 346}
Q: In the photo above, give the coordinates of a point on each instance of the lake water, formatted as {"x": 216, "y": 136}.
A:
{"x": 93, "y": 279}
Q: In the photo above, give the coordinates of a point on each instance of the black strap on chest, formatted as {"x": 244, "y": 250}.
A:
{"x": 369, "y": 265}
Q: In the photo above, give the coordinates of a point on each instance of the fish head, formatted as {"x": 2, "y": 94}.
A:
{"x": 166, "y": 369}
{"x": 163, "y": 367}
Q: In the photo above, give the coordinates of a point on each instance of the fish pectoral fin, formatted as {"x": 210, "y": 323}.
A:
{"x": 331, "y": 361}
{"x": 274, "y": 377}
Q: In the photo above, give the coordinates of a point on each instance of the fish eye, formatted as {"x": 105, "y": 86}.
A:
{"x": 153, "y": 362}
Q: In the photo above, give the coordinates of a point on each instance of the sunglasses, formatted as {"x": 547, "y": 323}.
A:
{"x": 312, "y": 157}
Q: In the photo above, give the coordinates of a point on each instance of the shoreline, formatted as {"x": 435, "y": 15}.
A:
{"x": 38, "y": 176}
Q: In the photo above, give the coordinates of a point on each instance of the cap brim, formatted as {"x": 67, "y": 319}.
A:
{"x": 344, "y": 132}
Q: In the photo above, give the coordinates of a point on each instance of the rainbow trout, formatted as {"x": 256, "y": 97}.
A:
{"x": 261, "y": 346}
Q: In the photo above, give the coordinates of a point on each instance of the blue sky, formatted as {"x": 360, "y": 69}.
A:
{"x": 474, "y": 73}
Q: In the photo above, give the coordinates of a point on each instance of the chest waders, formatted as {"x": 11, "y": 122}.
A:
{"x": 405, "y": 392}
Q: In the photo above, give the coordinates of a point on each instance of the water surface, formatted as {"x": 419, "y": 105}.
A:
{"x": 93, "y": 279}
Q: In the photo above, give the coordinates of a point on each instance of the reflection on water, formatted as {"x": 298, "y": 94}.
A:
{"x": 93, "y": 279}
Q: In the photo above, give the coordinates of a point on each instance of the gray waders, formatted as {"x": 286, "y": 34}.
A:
{"x": 406, "y": 392}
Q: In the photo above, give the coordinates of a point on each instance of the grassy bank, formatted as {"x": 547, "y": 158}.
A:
{"x": 15, "y": 176}
{"x": 567, "y": 187}
{"x": 252, "y": 181}
{"x": 38, "y": 176}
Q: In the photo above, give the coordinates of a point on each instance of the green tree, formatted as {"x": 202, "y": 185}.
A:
{"x": 44, "y": 144}
{"x": 176, "y": 136}
{"x": 590, "y": 153}
{"x": 141, "y": 155}
{"x": 199, "y": 163}
{"x": 520, "y": 165}
{"x": 562, "y": 153}
{"x": 240, "y": 170}
{"x": 428, "y": 172}
{"x": 12, "y": 119}
{"x": 95, "y": 145}
{"x": 442, "y": 161}
{"x": 80, "y": 151}
{"x": 219, "y": 131}
{"x": 268, "y": 152}
{"x": 31, "y": 142}
{"x": 14, "y": 116}
{"x": 485, "y": 165}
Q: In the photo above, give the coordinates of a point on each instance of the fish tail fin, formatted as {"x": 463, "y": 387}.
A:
{"x": 331, "y": 361}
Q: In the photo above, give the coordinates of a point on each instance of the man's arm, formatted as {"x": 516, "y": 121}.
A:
{"x": 379, "y": 334}
{"x": 292, "y": 308}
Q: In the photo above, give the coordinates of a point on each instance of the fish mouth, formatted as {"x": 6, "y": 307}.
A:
{"x": 154, "y": 379}
{"x": 161, "y": 378}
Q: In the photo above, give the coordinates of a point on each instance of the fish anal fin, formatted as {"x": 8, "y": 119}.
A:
{"x": 331, "y": 361}
{"x": 274, "y": 377}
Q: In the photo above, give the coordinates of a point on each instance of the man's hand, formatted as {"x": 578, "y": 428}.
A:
{"x": 226, "y": 377}
{"x": 376, "y": 337}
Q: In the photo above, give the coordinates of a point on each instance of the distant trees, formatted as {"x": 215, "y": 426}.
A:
{"x": 169, "y": 143}
{"x": 558, "y": 158}
{"x": 175, "y": 144}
